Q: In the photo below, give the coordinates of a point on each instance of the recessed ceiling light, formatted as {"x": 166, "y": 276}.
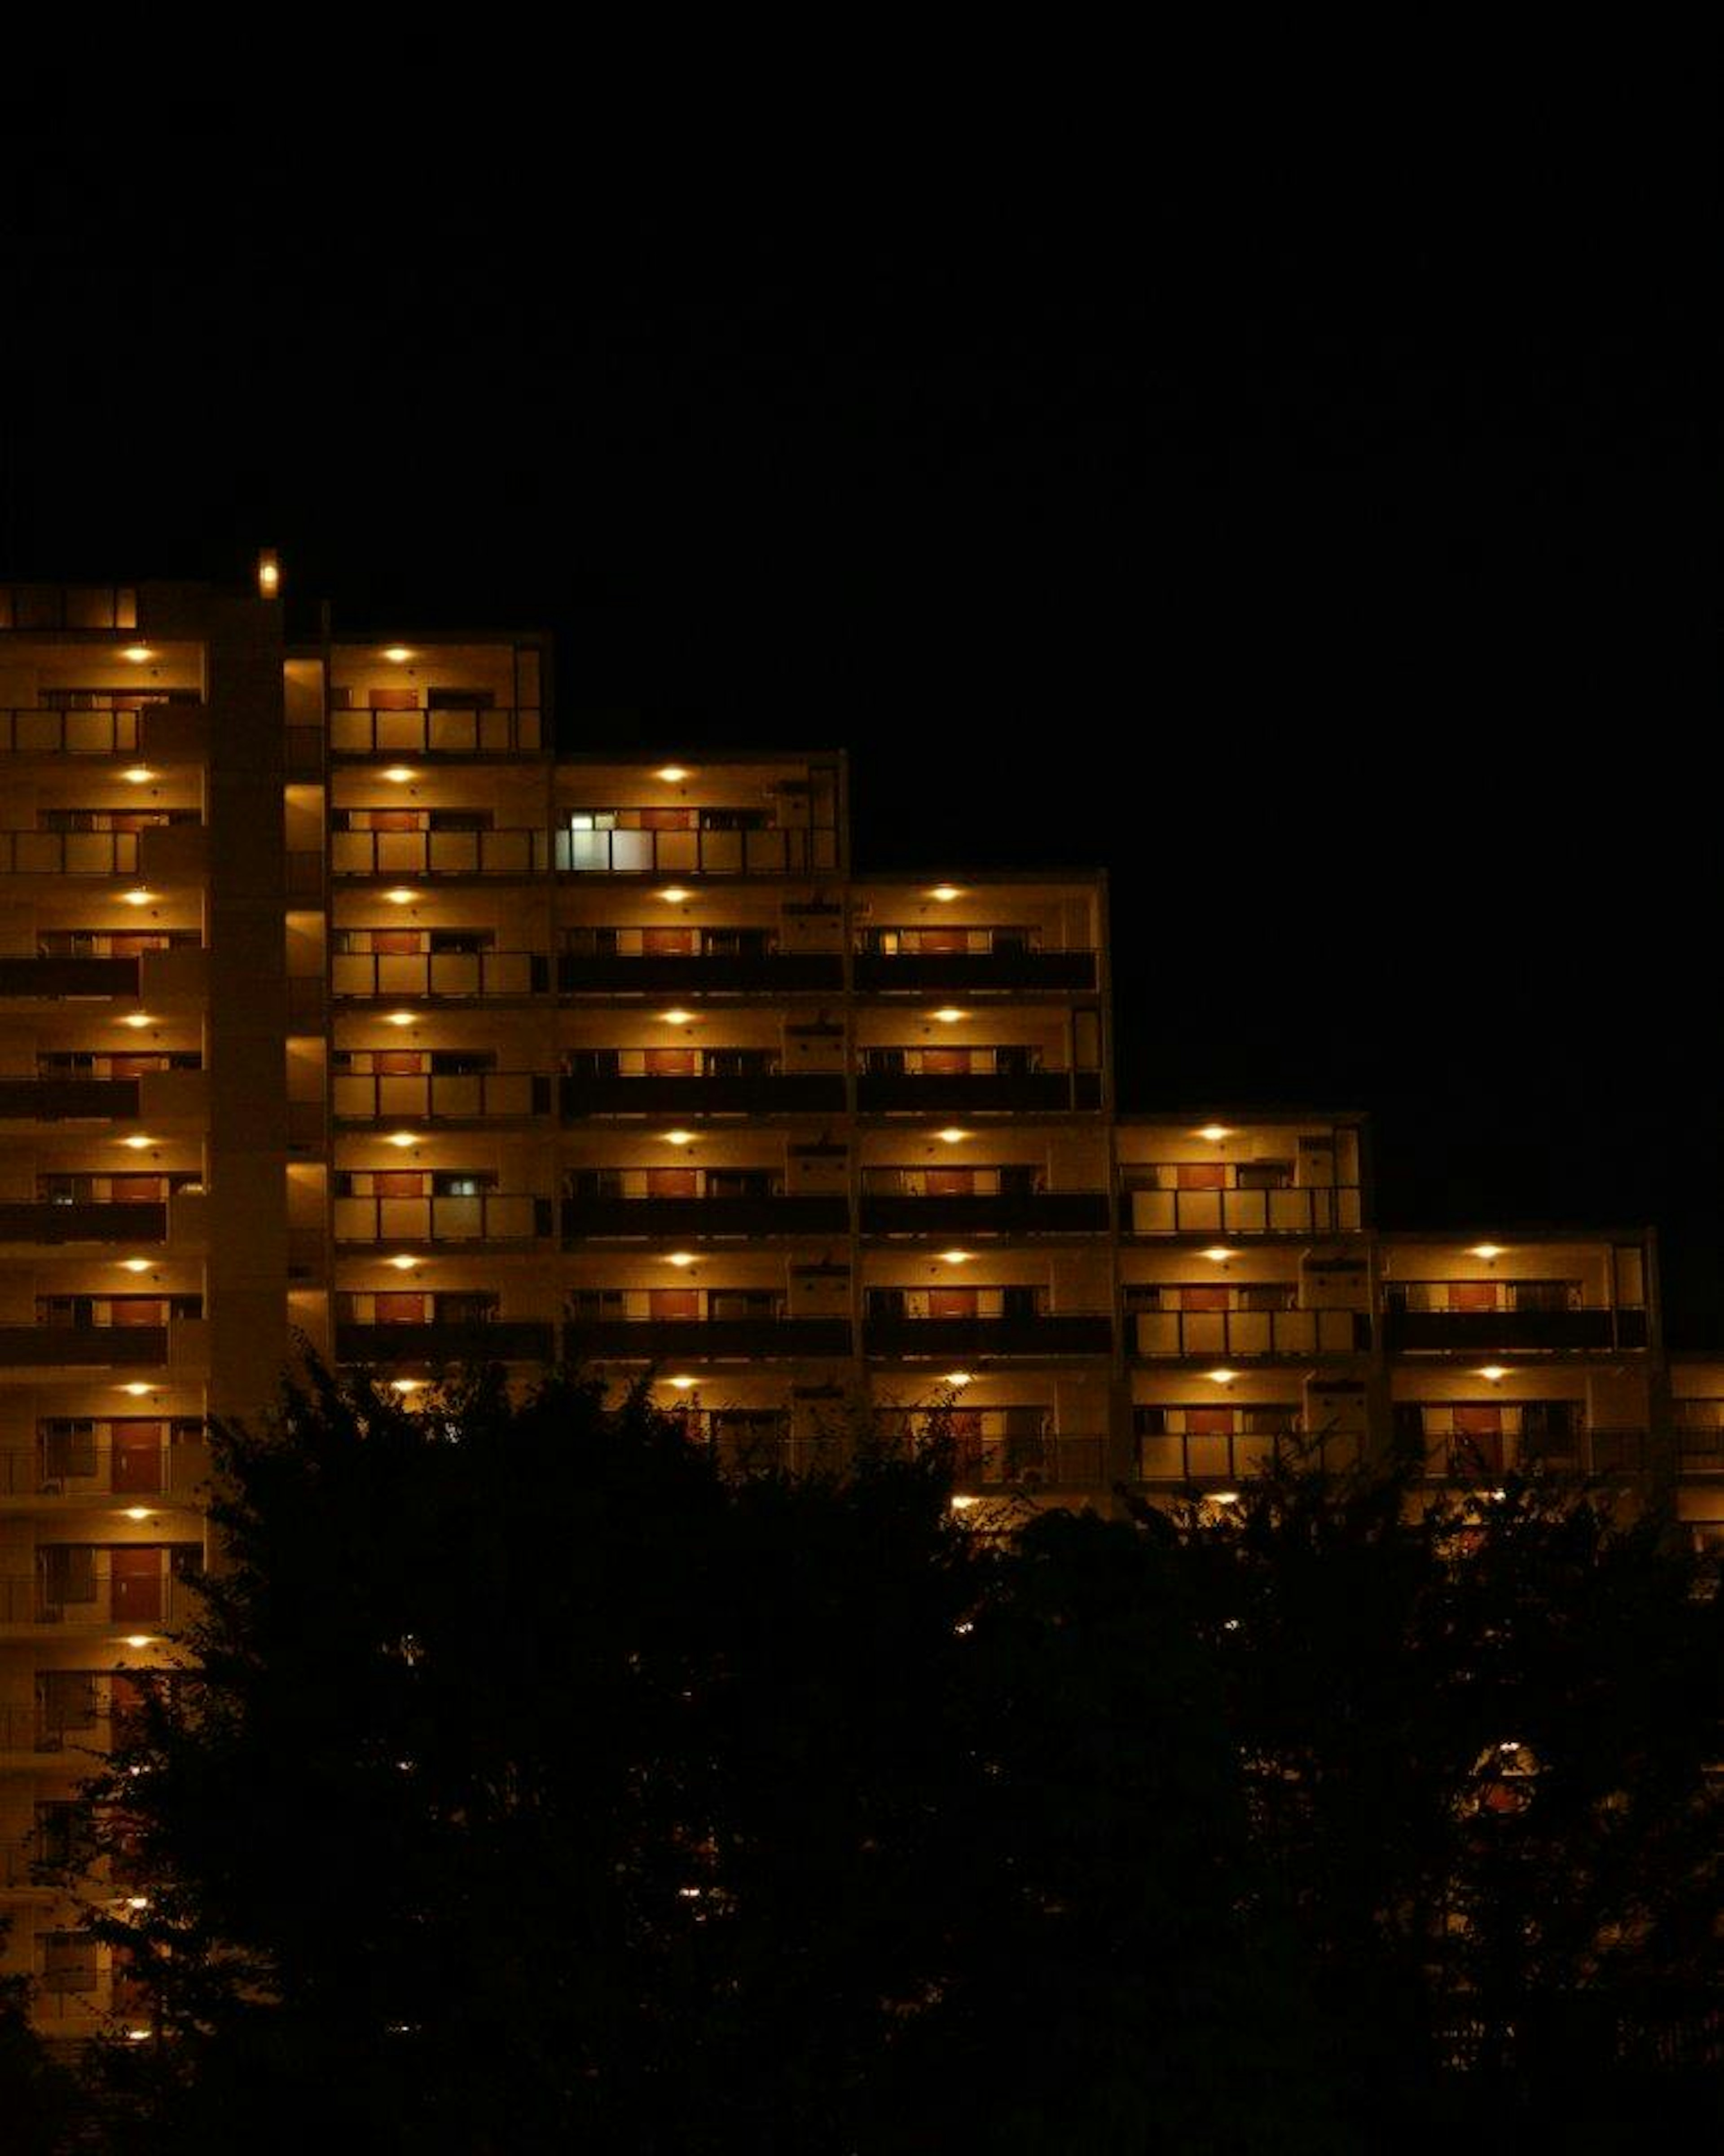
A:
{"x": 949, "y": 1014}
{"x": 1217, "y": 1256}
{"x": 957, "y": 1379}
{"x": 956, "y": 1257}
{"x": 1223, "y": 1377}
{"x": 401, "y": 1018}
{"x": 680, "y": 1258}
{"x": 1215, "y": 1132}
{"x": 679, "y": 1138}
{"x": 402, "y": 1139}
{"x": 134, "y": 1265}
{"x": 952, "y": 1136}
{"x": 1487, "y": 1250}
{"x": 137, "y": 1142}
{"x": 136, "y": 897}
{"x": 1494, "y": 1373}
{"x": 677, "y": 1017}
{"x": 139, "y": 654}
{"x": 399, "y": 774}
{"x": 401, "y": 897}
{"x": 136, "y": 1020}
{"x": 138, "y": 774}
{"x": 403, "y": 1263}
{"x": 398, "y": 655}
{"x": 674, "y": 894}
{"x": 672, "y": 774}
{"x": 945, "y": 892}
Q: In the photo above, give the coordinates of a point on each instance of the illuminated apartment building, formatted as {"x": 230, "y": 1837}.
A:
{"x": 333, "y": 1004}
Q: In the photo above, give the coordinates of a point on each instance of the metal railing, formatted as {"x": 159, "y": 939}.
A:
{"x": 1299, "y": 1211}
{"x": 62, "y": 1468}
{"x": 440, "y": 1096}
{"x": 1247, "y": 1332}
{"x": 69, "y": 853}
{"x": 428, "y": 974}
{"x": 517, "y": 851}
{"x": 1599, "y": 1449}
{"x": 915, "y": 972}
{"x": 467, "y": 730}
{"x": 1582, "y": 1326}
{"x": 98, "y": 1596}
{"x": 696, "y": 852}
{"x": 489, "y": 1217}
{"x": 1049, "y": 1332}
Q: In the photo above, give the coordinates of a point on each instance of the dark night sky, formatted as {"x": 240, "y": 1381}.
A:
{"x": 1319, "y": 537}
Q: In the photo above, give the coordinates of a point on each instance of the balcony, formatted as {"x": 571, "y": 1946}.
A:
{"x": 488, "y": 1217}
{"x": 1593, "y": 1330}
{"x": 698, "y": 1220}
{"x": 160, "y": 729}
{"x": 1603, "y": 1450}
{"x": 968, "y": 1339}
{"x": 479, "y": 731}
{"x": 760, "y": 972}
{"x": 495, "y": 1340}
{"x": 975, "y": 972}
{"x": 53, "y": 979}
{"x": 1244, "y": 1333}
{"x": 432, "y": 975}
{"x": 976, "y": 1093}
{"x": 438, "y": 1096}
{"x": 1223, "y": 1457}
{"x": 1026, "y": 1463}
{"x": 517, "y": 852}
{"x": 65, "y": 1100}
{"x": 696, "y": 852}
{"x": 703, "y": 1340}
{"x": 1008, "y": 1213}
{"x": 69, "y": 853}
{"x": 1700, "y": 1448}
{"x": 768, "y": 1093}
{"x": 88, "y": 1221}
{"x": 1290, "y": 1212}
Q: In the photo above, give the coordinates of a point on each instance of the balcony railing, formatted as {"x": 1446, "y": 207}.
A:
{"x": 84, "y": 1222}
{"x": 767, "y": 1093}
{"x": 440, "y": 1096}
{"x": 1591, "y": 1329}
{"x": 479, "y": 729}
{"x": 1063, "y": 1332}
{"x": 1598, "y": 1449}
{"x": 25, "y": 730}
{"x": 918, "y": 973}
{"x": 1249, "y": 1332}
{"x": 102, "y": 1595}
{"x": 659, "y": 973}
{"x": 1029, "y": 1463}
{"x": 490, "y": 1217}
{"x": 68, "y": 853}
{"x": 516, "y": 852}
{"x": 1293, "y": 1212}
{"x": 974, "y": 1092}
{"x": 696, "y": 1340}
{"x": 699, "y": 1218}
{"x": 696, "y": 852}
{"x": 497, "y": 1339}
{"x": 1226, "y": 1456}
{"x": 101, "y": 1471}
{"x": 1008, "y": 1213}
{"x": 428, "y": 975}
{"x": 65, "y": 1100}
{"x": 1700, "y": 1448}
{"x": 58, "y": 978}
{"x": 73, "y": 1347}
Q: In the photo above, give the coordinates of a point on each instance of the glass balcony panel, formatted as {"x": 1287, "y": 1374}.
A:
{"x": 400, "y": 1093}
{"x": 1248, "y": 1332}
{"x": 1299, "y": 1212}
{"x": 1152, "y": 1212}
{"x": 1158, "y": 1331}
{"x": 1205, "y": 1331}
{"x": 407, "y": 1218}
{"x": 399, "y": 973}
{"x": 455, "y": 853}
{"x": 678, "y": 850}
{"x": 1199, "y": 1211}
{"x": 1243, "y": 1212}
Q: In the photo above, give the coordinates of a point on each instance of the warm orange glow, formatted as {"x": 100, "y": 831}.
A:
{"x": 1485, "y": 1251}
{"x": 269, "y": 572}
{"x": 1224, "y": 1496}
{"x": 957, "y": 1379}
{"x": 677, "y": 1017}
{"x": 672, "y": 774}
{"x": 679, "y": 1138}
{"x": 951, "y": 1135}
{"x": 403, "y": 1264}
{"x": 956, "y": 1257}
{"x": 963, "y": 1504}
{"x": 1494, "y": 1373}
{"x": 945, "y": 892}
{"x": 136, "y": 1388}
{"x": 136, "y": 1512}
{"x": 398, "y": 655}
{"x": 401, "y": 1018}
{"x": 399, "y": 774}
{"x": 1217, "y": 1254}
{"x": 138, "y": 1143}
{"x": 680, "y": 1384}
{"x": 134, "y": 1265}
{"x": 402, "y": 1139}
{"x": 136, "y": 897}
{"x": 949, "y": 1014}
{"x": 405, "y": 1385}
{"x": 680, "y": 1258}
{"x": 1215, "y": 1132}
{"x": 137, "y": 774}
{"x": 400, "y": 897}
{"x": 138, "y": 1020}
{"x": 1223, "y": 1377}
{"x": 139, "y": 654}
{"x": 674, "y": 894}
{"x": 140, "y": 1638}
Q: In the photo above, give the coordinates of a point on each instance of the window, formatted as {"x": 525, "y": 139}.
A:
{"x": 462, "y": 1182}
